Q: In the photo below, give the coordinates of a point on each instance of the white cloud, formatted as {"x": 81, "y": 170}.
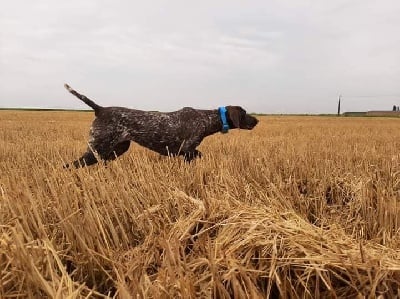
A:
{"x": 270, "y": 56}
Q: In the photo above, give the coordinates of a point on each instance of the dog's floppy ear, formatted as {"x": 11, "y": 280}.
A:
{"x": 234, "y": 113}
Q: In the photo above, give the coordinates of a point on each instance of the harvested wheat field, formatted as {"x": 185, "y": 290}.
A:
{"x": 300, "y": 207}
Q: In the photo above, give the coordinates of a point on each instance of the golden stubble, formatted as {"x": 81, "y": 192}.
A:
{"x": 298, "y": 207}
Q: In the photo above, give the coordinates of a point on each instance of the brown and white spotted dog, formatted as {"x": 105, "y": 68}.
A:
{"x": 171, "y": 133}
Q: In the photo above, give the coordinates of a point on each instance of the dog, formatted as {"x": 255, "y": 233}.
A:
{"x": 175, "y": 133}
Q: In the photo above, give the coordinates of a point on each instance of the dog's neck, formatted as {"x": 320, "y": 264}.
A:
{"x": 214, "y": 124}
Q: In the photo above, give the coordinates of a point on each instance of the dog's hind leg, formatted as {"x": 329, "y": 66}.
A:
{"x": 105, "y": 152}
{"x": 118, "y": 150}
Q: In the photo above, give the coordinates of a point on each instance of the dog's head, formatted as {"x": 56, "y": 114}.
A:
{"x": 239, "y": 119}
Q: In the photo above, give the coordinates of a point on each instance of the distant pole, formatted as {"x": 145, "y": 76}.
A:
{"x": 338, "y": 106}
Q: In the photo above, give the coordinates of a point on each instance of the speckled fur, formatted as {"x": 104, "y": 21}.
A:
{"x": 170, "y": 133}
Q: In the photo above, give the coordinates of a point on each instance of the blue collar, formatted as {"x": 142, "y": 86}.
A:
{"x": 222, "y": 114}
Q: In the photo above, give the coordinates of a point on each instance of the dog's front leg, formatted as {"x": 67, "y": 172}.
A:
{"x": 189, "y": 156}
{"x": 87, "y": 159}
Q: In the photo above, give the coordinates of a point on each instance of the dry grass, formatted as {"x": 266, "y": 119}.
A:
{"x": 300, "y": 207}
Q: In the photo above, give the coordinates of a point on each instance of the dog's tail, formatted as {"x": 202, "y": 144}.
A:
{"x": 83, "y": 98}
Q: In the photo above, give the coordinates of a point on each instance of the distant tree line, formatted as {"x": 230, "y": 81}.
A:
{"x": 396, "y": 108}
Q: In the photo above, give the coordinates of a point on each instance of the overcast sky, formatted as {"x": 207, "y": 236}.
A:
{"x": 283, "y": 56}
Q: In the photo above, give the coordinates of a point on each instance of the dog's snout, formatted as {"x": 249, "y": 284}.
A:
{"x": 251, "y": 122}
